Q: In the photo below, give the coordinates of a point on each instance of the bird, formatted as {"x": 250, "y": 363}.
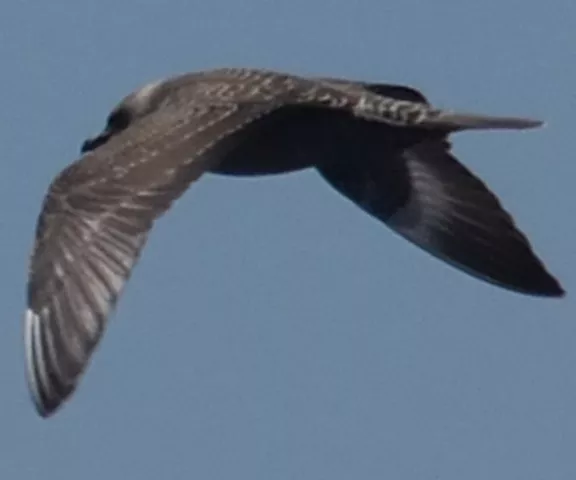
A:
{"x": 384, "y": 147}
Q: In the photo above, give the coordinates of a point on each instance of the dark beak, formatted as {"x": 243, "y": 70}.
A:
{"x": 94, "y": 142}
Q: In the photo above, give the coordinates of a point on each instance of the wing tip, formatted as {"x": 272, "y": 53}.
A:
{"x": 532, "y": 277}
{"x": 36, "y": 374}
{"x": 548, "y": 286}
{"x": 529, "y": 278}
{"x": 31, "y": 321}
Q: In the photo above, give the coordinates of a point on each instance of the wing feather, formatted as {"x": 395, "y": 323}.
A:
{"x": 431, "y": 199}
{"x": 93, "y": 226}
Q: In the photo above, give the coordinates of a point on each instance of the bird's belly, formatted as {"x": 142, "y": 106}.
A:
{"x": 295, "y": 139}
{"x": 263, "y": 161}
{"x": 286, "y": 141}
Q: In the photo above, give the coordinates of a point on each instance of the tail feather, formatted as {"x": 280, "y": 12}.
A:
{"x": 455, "y": 121}
{"x": 406, "y": 113}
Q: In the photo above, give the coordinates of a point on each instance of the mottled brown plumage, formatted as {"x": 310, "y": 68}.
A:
{"x": 382, "y": 146}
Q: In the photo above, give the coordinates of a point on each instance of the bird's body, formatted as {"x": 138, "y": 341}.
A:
{"x": 382, "y": 146}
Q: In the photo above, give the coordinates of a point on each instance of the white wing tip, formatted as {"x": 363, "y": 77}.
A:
{"x": 36, "y": 375}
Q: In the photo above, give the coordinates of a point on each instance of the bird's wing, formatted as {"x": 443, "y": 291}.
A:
{"x": 405, "y": 108}
{"x": 427, "y": 196}
{"x": 94, "y": 223}
{"x": 98, "y": 212}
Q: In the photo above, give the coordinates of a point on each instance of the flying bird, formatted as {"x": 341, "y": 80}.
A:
{"x": 382, "y": 146}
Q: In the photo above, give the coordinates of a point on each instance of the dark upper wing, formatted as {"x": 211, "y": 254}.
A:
{"x": 94, "y": 223}
{"x": 431, "y": 199}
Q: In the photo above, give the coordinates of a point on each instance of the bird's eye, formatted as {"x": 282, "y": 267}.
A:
{"x": 118, "y": 120}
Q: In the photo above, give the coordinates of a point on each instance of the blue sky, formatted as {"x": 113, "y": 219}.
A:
{"x": 272, "y": 330}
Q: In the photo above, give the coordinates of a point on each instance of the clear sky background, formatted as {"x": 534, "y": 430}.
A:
{"x": 273, "y": 330}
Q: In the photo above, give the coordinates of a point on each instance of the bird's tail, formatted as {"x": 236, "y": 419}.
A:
{"x": 455, "y": 121}
{"x": 406, "y": 113}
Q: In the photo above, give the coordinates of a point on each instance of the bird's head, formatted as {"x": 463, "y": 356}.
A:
{"x": 131, "y": 109}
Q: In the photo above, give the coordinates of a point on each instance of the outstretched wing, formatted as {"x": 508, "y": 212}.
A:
{"x": 98, "y": 212}
{"x": 94, "y": 223}
{"x": 431, "y": 199}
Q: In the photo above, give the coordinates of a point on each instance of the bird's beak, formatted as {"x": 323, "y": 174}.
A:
{"x": 94, "y": 142}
